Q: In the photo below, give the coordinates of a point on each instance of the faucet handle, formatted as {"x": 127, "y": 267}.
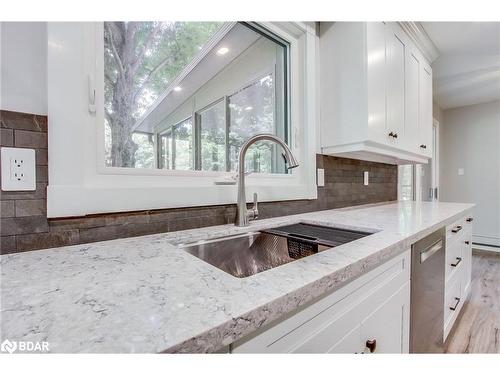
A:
{"x": 255, "y": 208}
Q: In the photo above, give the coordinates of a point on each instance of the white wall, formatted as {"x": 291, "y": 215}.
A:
{"x": 24, "y": 67}
{"x": 470, "y": 139}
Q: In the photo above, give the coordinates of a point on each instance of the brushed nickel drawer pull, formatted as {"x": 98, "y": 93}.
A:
{"x": 456, "y": 304}
{"x": 457, "y": 229}
{"x": 467, "y": 242}
{"x": 458, "y": 262}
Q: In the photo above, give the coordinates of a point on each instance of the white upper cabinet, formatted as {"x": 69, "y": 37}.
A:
{"x": 412, "y": 96}
{"x": 425, "y": 110}
{"x": 395, "y": 47}
{"x": 376, "y": 93}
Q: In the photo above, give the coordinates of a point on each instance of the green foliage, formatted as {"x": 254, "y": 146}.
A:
{"x": 141, "y": 59}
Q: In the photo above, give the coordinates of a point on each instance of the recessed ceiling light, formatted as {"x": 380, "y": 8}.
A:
{"x": 249, "y": 108}
{"x": 177, "y": 88}
{"x": 222, "y": 51}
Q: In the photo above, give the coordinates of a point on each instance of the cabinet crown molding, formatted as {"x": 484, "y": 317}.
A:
{"x": 417, "y": 34}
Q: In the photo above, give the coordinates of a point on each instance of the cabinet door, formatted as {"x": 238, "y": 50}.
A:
{"x": 376, "y": 81}
{"x": 412, "y": 100}
{"x": 425, "y": 117}
{"x": 395, "y": 91}
{"x": 467, "y": 256}
{"x": 387, "y": 326}
{"x": 352, "y": 343}
{"x": 335, "y": 323}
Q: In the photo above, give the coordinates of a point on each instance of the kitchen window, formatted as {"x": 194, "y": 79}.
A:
{"x": 231, "y": 81}
{"x": 180, "y": 136}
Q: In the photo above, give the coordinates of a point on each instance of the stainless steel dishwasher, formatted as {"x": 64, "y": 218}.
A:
{"x": 427, "y": 294}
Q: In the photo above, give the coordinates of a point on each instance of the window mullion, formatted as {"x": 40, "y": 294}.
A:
{"x": 173, "y": 147}
{"x": 227, "y": 118}
{"x": 197, "y": 141}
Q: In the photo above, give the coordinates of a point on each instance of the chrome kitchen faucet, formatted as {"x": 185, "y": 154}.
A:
{"x": 243, "y": 217}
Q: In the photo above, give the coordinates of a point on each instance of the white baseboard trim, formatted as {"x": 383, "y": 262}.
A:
{"x": 485, "y": 247}
{"x": 486, "y": 239}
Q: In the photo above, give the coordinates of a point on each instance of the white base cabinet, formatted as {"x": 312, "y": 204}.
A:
{"x": 370, "y": 314}
{"x": 376, "y": 93}
{"x": 458, "y": 270}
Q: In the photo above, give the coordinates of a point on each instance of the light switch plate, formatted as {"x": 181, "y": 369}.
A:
{"x": 321, "y": 177}
{"x": 366, "y": 178}
{"x": 18, "y": 169}
{"x": 461, "y": 171}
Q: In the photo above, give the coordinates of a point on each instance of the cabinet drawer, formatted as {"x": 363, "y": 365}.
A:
{"x": 456, "y": 229}
{"x": 454, "y": 257}
{"x": 337, "y": 322}
{"x": 452, "y": 302}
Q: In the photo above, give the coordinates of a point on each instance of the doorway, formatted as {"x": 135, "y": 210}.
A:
{"x": 420, "y": 182}
{"x": 429, "y": 173}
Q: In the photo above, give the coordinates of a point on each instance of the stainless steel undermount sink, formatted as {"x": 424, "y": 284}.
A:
{"x": 246, "y": 254}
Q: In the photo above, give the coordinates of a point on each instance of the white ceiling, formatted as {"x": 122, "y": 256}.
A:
{"x": 467, "y": 70}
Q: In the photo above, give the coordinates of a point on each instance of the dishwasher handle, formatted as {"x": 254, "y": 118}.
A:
{"x": 430, "y": 251}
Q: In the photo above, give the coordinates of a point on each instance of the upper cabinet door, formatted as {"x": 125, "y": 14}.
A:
{"x": 412, "y": 100}
{"x": 395, "y": 92}
{"x": 376, "y": 80}
{"x": 425, "y": 116}
{"x": 376, "y": 95}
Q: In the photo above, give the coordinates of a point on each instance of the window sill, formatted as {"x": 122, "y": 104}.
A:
{"x": 65, "y": 201}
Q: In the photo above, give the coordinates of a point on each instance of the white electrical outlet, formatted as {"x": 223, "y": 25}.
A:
{"x": 18, "y": 169}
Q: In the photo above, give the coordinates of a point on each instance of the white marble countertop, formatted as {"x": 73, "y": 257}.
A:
{"x": 145, "y": 294}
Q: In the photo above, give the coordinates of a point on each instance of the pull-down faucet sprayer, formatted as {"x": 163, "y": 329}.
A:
{"x": 242, "y": 215}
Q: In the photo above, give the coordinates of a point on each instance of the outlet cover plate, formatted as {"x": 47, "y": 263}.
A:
{"x": 18, "y": 169}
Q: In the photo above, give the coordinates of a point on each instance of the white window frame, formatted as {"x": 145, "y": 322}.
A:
{"x": 79, "y": 182}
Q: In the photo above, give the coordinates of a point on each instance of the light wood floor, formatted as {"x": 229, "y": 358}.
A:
{"x": 478, "y": 327}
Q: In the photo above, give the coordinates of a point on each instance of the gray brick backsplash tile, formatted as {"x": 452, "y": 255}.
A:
{"x": 41, "y": 156}
{"x": 98, "y": 234}
{"x": 8, "y": 244}
{"x": 132, "y": 218}
{"x": 24, "y": 225}
{"x": 64, "y": 224}
{"x": 37, "y": 241}
{"x": 30, "y": 139}
{"x": 30, "y": 207}
{"x": 7, "y": 209}
{"x": 23, "y": 121}
{"x": 42, "y": 173}
{"x": 6, "y": 137}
